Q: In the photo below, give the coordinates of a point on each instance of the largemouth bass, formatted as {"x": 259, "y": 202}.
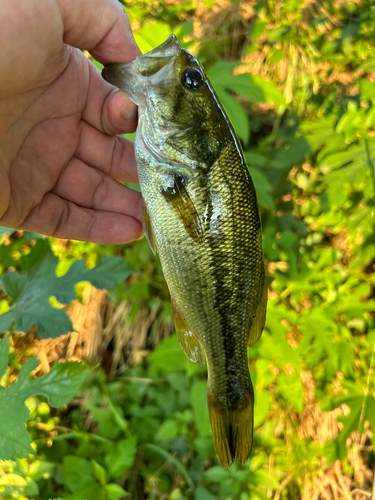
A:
{"x": 201, "y": 216}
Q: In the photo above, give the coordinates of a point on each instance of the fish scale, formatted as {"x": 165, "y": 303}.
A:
{"x": 202, "y": 217}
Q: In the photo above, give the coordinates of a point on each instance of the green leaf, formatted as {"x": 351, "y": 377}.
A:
{"x": 257, "y": 29}
{"x": 98, "y": 472}
{"x": 236, "y": 114}
{"x": 59, "y": 386}
{"x": 168, "y": 357}
{"x": 291, "y": 153}
{"x": 121, "y": 457}
{"x": 261, "y": 373}
{"x": 77, "y": 472}
{"x": 115, "y": 492}
{"x": 331, "y": 451}
{"x": 152, "y": 35}
{"x": 167, "y": 430}
{"x": 291, "y": 389}
{"x": 278, "y": 34}
{"x": 201, "y": 493}
{"x": 13, "y": 480}
{"x": 37, "y": 282}
{"x": 4, "y": 354}
{"x": 216, "y": 474}
{"x": 198, "y": 396}
{"x": 262, "y": 407}
{"x": 367, "y": 89}
{"x": 270, "y": 92}
{"x": 263, "y": 189}
{"x": 252, "y": 87}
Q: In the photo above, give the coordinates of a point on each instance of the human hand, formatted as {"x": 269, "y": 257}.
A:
{"x": 59, "y": 157}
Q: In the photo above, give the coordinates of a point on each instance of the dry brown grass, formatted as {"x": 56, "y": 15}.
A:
{"x": 103, "y": 333}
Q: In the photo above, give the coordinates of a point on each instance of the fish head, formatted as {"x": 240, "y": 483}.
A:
{"x": 184, "y": 120}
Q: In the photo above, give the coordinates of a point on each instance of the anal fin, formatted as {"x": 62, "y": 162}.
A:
{"x": 147, "y": 228}
{"x": 188, "y": 340}
{"x": 260, "y": 315}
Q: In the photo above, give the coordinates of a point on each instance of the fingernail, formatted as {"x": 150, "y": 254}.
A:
{"x": 141, "y": 237}
{"x": 126, "y": 108}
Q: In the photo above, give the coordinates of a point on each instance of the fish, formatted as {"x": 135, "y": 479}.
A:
{"x": 201, "y": 216}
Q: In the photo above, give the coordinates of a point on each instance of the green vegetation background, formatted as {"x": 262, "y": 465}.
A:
{"x": 297, "y": 79}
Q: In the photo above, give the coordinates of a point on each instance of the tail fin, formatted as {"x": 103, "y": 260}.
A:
{"x": 232, "y": 431}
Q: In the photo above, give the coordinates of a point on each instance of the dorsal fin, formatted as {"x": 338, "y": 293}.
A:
{"x": 147, "y": 228}
{"x": 260, "y": 315}
{"x": 188, "y": 340}
{"x": 184, "y": 208}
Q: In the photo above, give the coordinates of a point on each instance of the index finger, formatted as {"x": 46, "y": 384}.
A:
{"x": 101, "y": 27}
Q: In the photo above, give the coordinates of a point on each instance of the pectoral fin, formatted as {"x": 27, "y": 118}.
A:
{"x": 147, "y": 228}
{"x": 188, "y": 340}
{"x": 260, "y": 316}
{"x": 184, "y": 208}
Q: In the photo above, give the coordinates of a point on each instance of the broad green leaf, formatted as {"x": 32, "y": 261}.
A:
{"x": 261, "y": 374}
{"x": 201, "y": 493}
{"x": 37, "y": 282}
{"x": 98, "y": 472}
{"x": 331, "y": 451}
{"x": 168, "y": 357}
{"x": 152, "y": 35}
{"x": 115, "y": 492}
{"x": 12, "y": 480}
{"x": 255, "y": 159}
{"x": 236, "y": 114}
{"x": 77, "y": 472}
{"x": 121, "y": 457}
{"x": 271, "y": 93}
{"x": 263, "y": 189}
{"x": 58, "y": 386}
{"x": 252, "y": 87}
{"x": 292, "y": 153}
{"x": 257, "y": 29}
{"x": 367, "y": 89}
{"x": 40, "y": 468}
{"x": 198, "y": 396}
{"x": 273, "y": 345}
{"x": 279, "y": 33}
{"x": 216, "y": 474}
{"x": 291, "y": 389}
{"x": 266, "y": 479}
{"x": 4, "y": 351}
{"x": 167, "y": 430}
{"x": 262, "y": 406}
{"x": 368, "y": 65}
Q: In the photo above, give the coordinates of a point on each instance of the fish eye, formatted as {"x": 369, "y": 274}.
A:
{"x": 191, "y": 79}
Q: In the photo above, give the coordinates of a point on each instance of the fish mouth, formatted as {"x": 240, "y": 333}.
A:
{"x": 133, "y": 77}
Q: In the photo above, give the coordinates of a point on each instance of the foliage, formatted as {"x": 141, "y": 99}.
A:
{"x": 296, "y": 79}
{"x": 32, "y": 288}
{"x": 58, "y": 386}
